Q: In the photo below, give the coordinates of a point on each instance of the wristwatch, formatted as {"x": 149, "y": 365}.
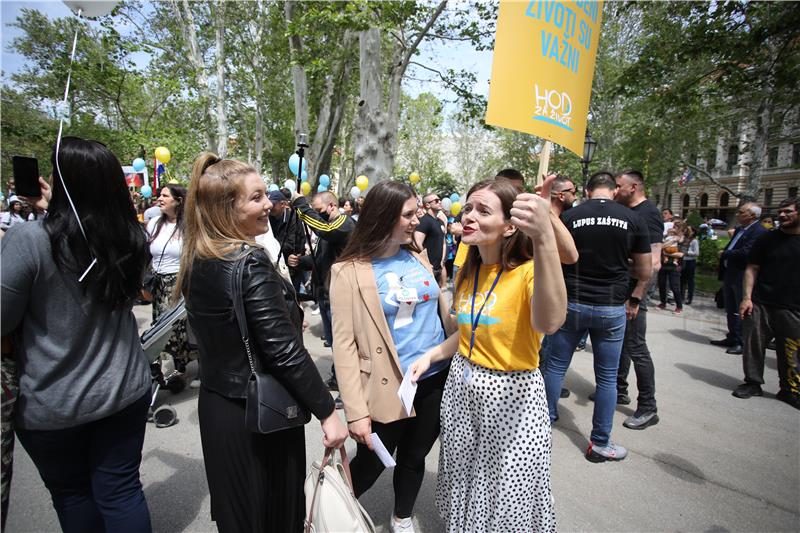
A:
{"x": 634, "y": 300}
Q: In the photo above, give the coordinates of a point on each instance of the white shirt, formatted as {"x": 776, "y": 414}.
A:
{"x": 165, "y": 248}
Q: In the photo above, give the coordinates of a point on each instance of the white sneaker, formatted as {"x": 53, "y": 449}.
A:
{"x": 195, "y": 384}
{"x": 401, "y": 525}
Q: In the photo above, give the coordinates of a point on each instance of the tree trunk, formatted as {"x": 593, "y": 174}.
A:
{"x": 299, "y": 80}
{"x": 186, "y": 20}
{"x": 222, "y": 119}
{"x": 370, "y": 131}
{"x": 758, "y": 149}
{"x": 375, "y": 128}
{"x": 330, "y": 115}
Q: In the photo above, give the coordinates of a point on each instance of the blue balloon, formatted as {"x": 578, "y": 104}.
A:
{"x": 325, "y": 180}
{"x": 273, "y": 187}
{"x": 454, "y": 197}
{"x": 146, "y": 191}
{"x": 321, "y": 188}
{"x": 304, "y": 176}
{"x": 294, "y": 163}
{"x": 139, "y": 164}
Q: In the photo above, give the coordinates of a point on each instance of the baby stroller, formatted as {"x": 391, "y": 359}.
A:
{"x": 153, "y": 341}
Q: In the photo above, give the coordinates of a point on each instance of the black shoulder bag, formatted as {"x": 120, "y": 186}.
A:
{"x": 269, "y": 406}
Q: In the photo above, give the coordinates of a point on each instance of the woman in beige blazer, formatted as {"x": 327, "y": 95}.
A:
{"x": 387, "y": 312}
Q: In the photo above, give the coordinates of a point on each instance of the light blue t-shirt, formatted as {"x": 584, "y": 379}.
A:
{"x": 415, "y": 326}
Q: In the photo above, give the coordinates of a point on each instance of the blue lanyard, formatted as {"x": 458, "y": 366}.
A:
{"x": 475, "y": 319}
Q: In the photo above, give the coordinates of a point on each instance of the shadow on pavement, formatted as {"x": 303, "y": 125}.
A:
{"x": 690, "y": 336}
{"x": 168, "y": 512}
{"x": 712, "y": 377}
{"x": 680, "y": 468}
{"x": 566, "y": 425}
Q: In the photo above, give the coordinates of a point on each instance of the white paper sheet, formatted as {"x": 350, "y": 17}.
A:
{"x": 383, "y": 454}
{"x": 406, "y": 392}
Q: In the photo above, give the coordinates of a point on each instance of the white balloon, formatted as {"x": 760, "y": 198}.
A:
{"x": 291, "y": 185}
{"x": 91, "y": 8}
{"x": 355, "y": 192}
{"x": 446, "y": 204}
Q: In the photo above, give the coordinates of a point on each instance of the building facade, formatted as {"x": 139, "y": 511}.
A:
{"x": 729, "y": 162}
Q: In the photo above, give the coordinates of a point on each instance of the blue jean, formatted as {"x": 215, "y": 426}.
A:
{"x": 92, "y": 471}
{"x": 606, "y": 326}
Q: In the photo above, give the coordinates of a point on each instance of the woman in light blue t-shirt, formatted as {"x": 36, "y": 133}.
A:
{"x": 387, "y": 312}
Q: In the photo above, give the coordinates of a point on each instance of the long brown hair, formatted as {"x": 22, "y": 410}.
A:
{"x": 211, "y": 228}
{"x": 379, "y": 214}
{"x": 516, "y": 248}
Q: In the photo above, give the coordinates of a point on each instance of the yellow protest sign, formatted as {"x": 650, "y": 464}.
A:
{"x": 544, "y": 59}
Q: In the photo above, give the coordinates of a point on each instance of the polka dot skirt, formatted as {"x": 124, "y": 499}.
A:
{"x": 494, "y": 466}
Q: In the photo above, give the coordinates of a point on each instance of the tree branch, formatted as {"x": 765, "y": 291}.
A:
{"x": 711, "y": 178}
{"x": 413, "y": 48}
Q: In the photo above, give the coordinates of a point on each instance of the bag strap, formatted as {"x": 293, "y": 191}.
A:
{"x": 328, "y": 457}
{"x": 238, "y": 304}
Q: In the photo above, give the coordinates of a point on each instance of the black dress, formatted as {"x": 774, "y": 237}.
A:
{"x": 255, "y": 480}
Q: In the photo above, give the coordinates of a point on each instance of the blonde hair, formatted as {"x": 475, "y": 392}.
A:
{"x": 211, "y": 229}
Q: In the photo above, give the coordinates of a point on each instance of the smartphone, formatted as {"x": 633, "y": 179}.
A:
{"x": 26, "y": 176}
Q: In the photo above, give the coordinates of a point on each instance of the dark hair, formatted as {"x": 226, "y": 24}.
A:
{"x": 792, "y": 200}
{"x": 631, "y": 173}
{"x": 667, "y": 209}
{"x": 561, "y": 180}
{"x": 517, "y": 248}
{"x": 601, "y": 179}
{"x": 344, "y": 200}
{"x": 96, "y": 184}
{"x": 510, "y": 174}
{"x": 382, "y": 208}
{"x": 179, "y": 193}
{"x": 286, "y": 192}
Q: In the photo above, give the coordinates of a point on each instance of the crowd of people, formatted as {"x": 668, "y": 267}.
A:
{"x": 482, "y": 311}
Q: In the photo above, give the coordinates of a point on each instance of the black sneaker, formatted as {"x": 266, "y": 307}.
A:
{"x": 332, "y": 384}
{"x": 338, "y": 403}
{"x": 747, "y": 390}
{"x": 622, "y": 399}
{"x": 565, "y": 393}
{"x": 787, "y": 397}
{"x": 642, "y": 421}
{"x": 725, "y": 343}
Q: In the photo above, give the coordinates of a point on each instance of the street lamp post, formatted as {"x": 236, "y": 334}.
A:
{"x": 589, "y": 146}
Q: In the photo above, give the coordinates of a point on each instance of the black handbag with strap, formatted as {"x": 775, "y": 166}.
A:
{"x": 269, "y": 406}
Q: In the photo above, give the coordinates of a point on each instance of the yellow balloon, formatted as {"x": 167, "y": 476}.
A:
{"x": 163, "y": 155}
{"x": 362, "y": 182}
{"x": 455, "y": 208}
{"x": 305, "y": 188}
{"x": 414, "y": 178}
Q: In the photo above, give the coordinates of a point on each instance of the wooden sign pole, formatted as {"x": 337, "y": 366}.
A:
{"x": 544, "y": 162}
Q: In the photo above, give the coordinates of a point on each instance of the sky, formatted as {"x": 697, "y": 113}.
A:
{"x": 452, "y": 55}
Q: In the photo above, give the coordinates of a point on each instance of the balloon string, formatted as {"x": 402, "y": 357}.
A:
{"x": 58, "y": 150}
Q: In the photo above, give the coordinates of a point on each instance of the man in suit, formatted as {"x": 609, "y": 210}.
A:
{"x": 732, "y": 264}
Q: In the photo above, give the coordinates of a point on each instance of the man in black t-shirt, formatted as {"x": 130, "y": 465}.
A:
{"x": 631, "y": 193}
{"x": 606, "y": 236}
{"x": 770, "y": 307}
{"x": 429, "y": 234}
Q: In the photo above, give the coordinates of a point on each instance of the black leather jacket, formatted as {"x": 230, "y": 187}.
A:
{"x": 274, "y": 326}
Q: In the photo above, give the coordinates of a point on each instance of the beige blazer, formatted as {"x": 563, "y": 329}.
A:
{"x": 367, "y": 367}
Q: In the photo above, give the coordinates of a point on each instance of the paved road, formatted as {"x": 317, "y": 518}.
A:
{"x": 715, "y": 463}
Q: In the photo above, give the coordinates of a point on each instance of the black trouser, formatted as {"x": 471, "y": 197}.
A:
{"x": 413, "y": 438}
{"x": 634, "y": 348}
{"x": 783, "y": 324}
{"x": 669, "y": 273}
{"x": 687, "y": 279}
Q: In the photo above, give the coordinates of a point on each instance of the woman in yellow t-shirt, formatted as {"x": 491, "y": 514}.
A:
{"x": 494, "y": 467}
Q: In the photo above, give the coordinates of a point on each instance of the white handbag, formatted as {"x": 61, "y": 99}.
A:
{"x": 331, "y": 506}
